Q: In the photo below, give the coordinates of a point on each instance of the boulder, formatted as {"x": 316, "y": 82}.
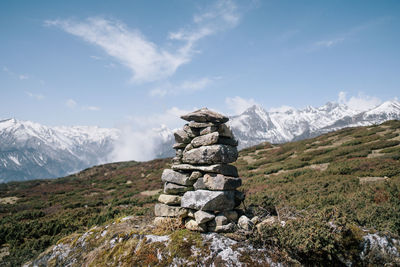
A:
{"x": 245, "y": 223}
{"x": 169, "y": 199}
{"x": 205, "y": 140}
{"x": 267, "y": 223}
{"x": 175, "y": 177}
{"x": 225, "y": 131}
{"x": 224, "y": 169}
{"x": 208, "y": 130}
{"x": 179, "y": 145}
{"x": 228, "y": 141}
{"x": 194, "y": 226}
{"x": 199, "y": 184}
{"x": 198, "y": 125}
{"x": 210, "y": 155}
{"x": 191, "y": 132}
{"x": 228, "y": 228}
{"x": 205, "y": 115}
{"x": 221, "y": 182}
{"x": 221, "y": 220}
{"x": 179, "y": 153}
{"x": 203, "y": 217}
{"x": 182, "y": 137}
{"x": 176, "y": 160}
{"x": 208, "y": 200}
{"x": 195, "y": 175}
{"x": 175, "y": 189}
{"x": 187, "y": 148}
{"x": 162, "y": 210}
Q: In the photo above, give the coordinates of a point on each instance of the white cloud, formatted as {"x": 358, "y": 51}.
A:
{"x": 147, "y": 60}
{"x": 70, "y": 103}
{"x": 35, "y": 96}
{"x": 361, "y": 102}
{"x": 23, "y": 77}
{"x": 142, "y": 136}
{"x": 282, "y": 109}
{"x": 91, "y": 108}
{"x": 329, "y": 43}
{"x": 238, "y": 104}
{"x": 188, "y": 86}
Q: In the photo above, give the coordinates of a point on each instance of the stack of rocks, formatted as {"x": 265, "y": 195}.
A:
{"x": 201, "y": 186}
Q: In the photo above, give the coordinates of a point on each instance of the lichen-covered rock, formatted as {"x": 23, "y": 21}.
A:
{"x": 209, "y": 129}
{"x": 175, "y": 177}
{"x": 175, "y": 189}
{"x": 205, "y": 140}
{"x": 194, "y": 226}
{"x": 221, "y": 182}
{"x": 213, "y": 154}
{"x": 162, "y": 210}
{"x": 195, "y": 125}
{"x": 221, "y": 220}
{"x": 199, "y": 184}
{"x": 205, "y": 115}
{"x": 191, "y": 132}
{"x": 179, "y": 145}
{"x": 208, "y": 200}
{"x": 169, "y": 199}
{"x": 181, "y": 136}
{"x": 225, "y": 169}
{"x": 203, "y": 217}
{"x": 245, "y": 223}
{"x": 195, "y": 175}
{"x": 225, "y": 131}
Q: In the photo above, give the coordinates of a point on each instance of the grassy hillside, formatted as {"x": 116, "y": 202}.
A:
{"x": 350, "y": 178}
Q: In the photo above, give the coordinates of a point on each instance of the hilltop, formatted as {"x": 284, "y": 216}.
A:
{"x": 325, "y": 199}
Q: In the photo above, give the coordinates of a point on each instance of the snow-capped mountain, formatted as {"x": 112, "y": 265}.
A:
{"x": 256, "y": 125}
{"x": 29, "y": 150}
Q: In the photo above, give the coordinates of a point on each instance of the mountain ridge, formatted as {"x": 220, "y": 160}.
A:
{"x": 30, "y": 150}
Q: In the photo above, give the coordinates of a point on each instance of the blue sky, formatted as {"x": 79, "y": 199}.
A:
{"x": 109, "y": 63}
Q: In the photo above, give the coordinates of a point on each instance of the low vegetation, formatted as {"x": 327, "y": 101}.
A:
{"x": 330, "y": 190}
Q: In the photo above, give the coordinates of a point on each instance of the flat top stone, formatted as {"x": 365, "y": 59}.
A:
{"x": 205, "y": 115}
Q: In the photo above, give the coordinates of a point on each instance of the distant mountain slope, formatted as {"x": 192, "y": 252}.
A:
{"x": 29, "y": 150}
{"x": 256, "y": 125}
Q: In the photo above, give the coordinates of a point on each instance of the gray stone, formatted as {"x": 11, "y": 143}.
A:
{"x": 199, "y": 184}
{"x": 195, "y": 175}
{"x": 187, "y": 148}
{"x": 191, "y": 213}
{"x": 176, "y": 160}
{"x": 208, "y": 200}
{"x": 192, "y": 225}
{"x": 195, "y": 125}
{"x": 245, "y": 223}
{"x": 205, "y": 115}
{"x": 203, "y": 217}
{"x": 205, "y": 140}
{"x": 182, "y": 137}
{"x": 227, "y": 141}
{"x": 175, "y": 177}
{"x": 224, "y": 169}
{"x": 231, "y": 215}
{"x": 210, "y": 155}
{"x": 209, "y": 129}
{"x": 179, "y": 145}
{"x": 169, "y": 199}
{"x": 179, "y": 153}
{"x": 175, "y": 189}
{"x": 228, "y": 228}
{"x": 221, "y": 220}
{"x": 221, "y": 182}
{"x": 191, "y": 132}
{"x": 162, "y": 210}
{"x": 225, "y": 131}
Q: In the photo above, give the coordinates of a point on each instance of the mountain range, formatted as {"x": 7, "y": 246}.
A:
{"x": 29, "y": 150}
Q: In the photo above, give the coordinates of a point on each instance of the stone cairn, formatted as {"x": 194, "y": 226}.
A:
{"x": 200, "y": 187}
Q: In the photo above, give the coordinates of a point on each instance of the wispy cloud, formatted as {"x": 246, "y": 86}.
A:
{"x": 23, "y": 77}
{"x": 188, "y": 86}
{"x": 329, "y": 43}
{"x": 35, "y": 96}
{"x": 147, "y": 60}
{"x": 361, "y": 102}
{"x": 238, "y": 104}
{"x": 91, "y": 108}
{"x": 15, "y": 75}
{"x": 70, "y": 103}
